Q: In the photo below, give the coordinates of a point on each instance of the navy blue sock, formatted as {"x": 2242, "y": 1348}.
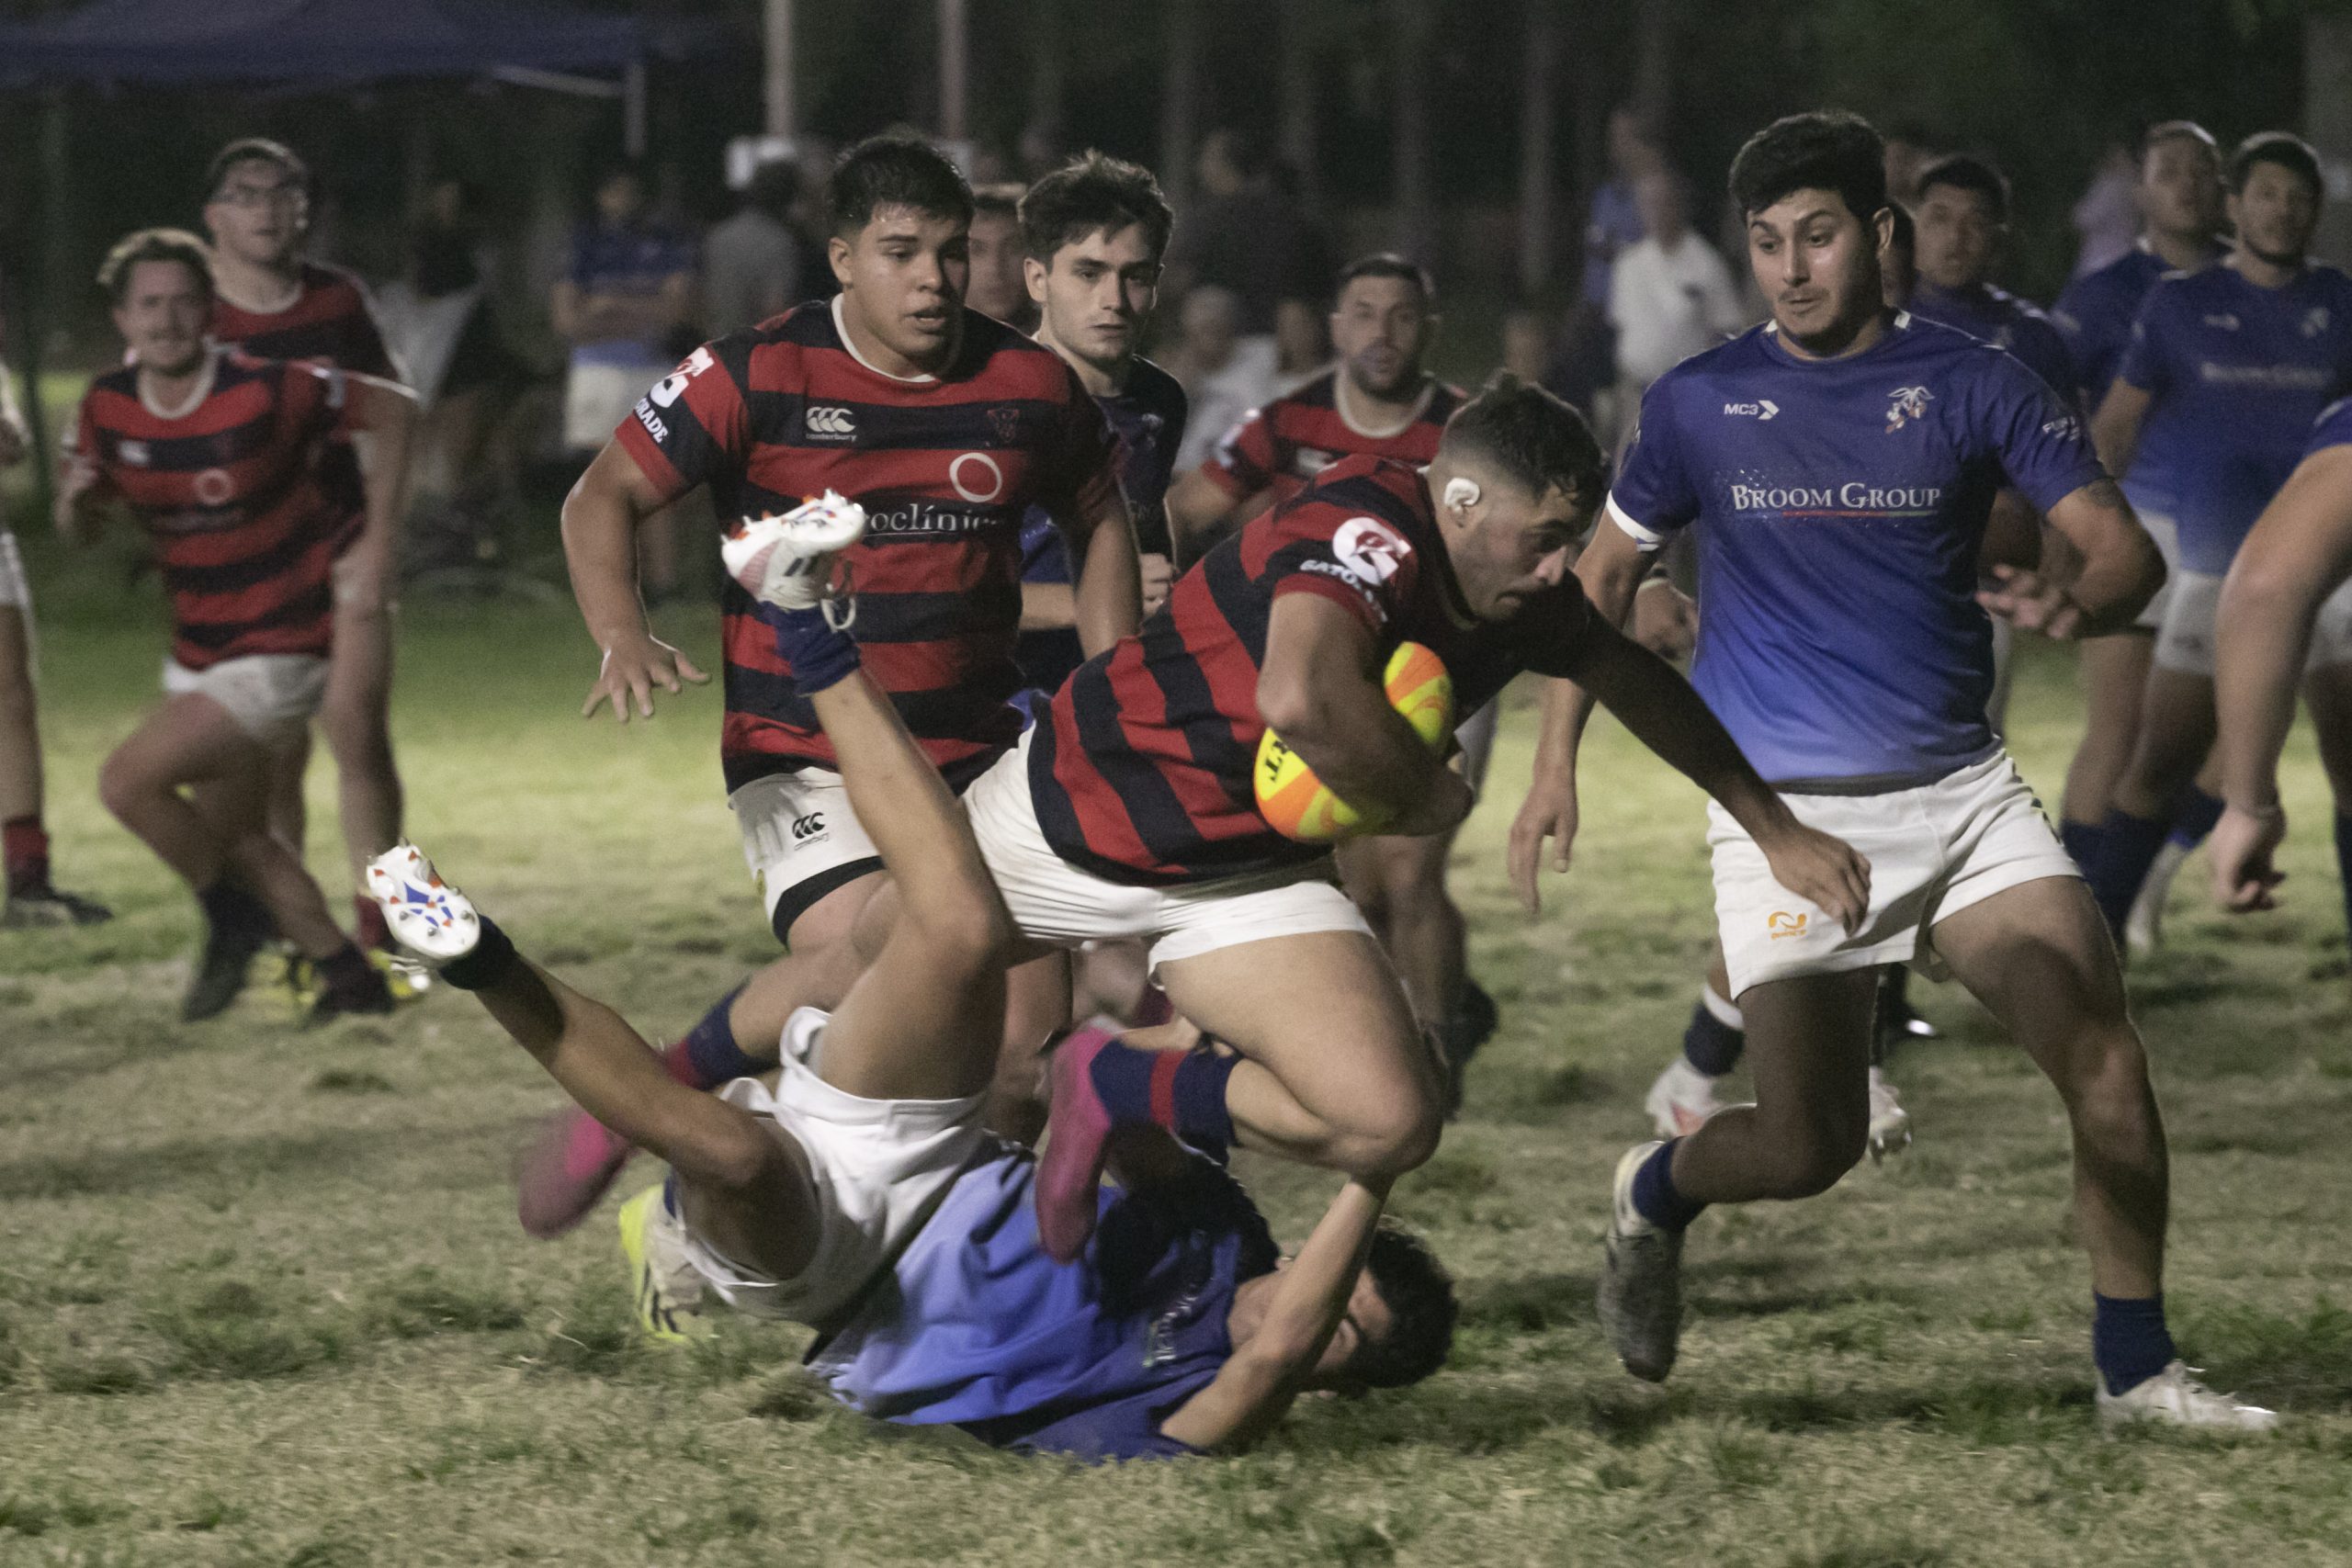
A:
{"x": 492, "y": 957}
{"x": 2081, "y": 840}
{"x": 821, "y": 654}
{"x": 2344, "y": 864}
{"x": 1654, "y": 1193}
{"x": 1711, "y": 1043}
{"x": 2127, "y": 847}
{"x": 232, "y": 908}
{"x": 2129, "y": 1341}
{"x": 708, "y": 1055}
{"x": 2193, "y": 818}
{"x": 1180, "y": 1091}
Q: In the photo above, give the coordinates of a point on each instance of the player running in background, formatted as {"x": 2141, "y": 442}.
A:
{"x": 946, "y": 426}
{"x": 862, "y": 1195}
{"x": 1379, "y": 401}
{"x": 2210, "y": 410}
{"x": 32, "y": 898}
{"x": 273, "y": 303}
{"x": 221, "y": 458}
{"x": 1843, "y": 645}
{"x": 2179, "y": 195}
{"x": 2288, "y": 593}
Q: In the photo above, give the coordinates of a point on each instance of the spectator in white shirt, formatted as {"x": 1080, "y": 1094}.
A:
{"x": 1225, "y": 374}
{"x": 1670, "y": 296}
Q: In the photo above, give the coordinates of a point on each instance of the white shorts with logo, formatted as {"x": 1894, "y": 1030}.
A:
{"x": 877, "y": 1169}
{"x": 2189, "y": 640}
{"x": 1933, "y": 850}
{"x": 2167, "y": 533}
{"x": 801, "y": 839}
{"x": 271, "y": 695}
{"x": 596, "y": 397}
{"x": 1054, "y": 901}
{"x": 16, "y": 594}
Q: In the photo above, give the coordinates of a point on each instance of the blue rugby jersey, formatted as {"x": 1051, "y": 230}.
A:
{"x": 977, "y": 1327}
{"x": 2334, "y": 427}
{"x": 2236, "y": 373}
{"x": 2095, "y": 315}
{"x": 1840, "y": 506}
{"x": 2001, "y": 319}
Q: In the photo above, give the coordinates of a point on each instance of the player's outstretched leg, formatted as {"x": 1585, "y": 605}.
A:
{"x": 2038, "y": 956}
{"x": 32, "y": 898}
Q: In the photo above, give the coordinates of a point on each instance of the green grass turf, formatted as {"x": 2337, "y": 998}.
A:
{"x": 263, "y": 1300}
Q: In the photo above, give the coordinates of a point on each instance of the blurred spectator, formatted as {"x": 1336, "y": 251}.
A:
{"x": 998, "y": 287}
{"x": 1225, "y": 375}
{"x": 623, "y": 305}
{"x": 1670, "y": 296}
{"x": 1249, "y": 236}
{"x": 1909, "y": 151}
{"x": 2107, "y": 217}
{"x": 1615, "y": 222}
{"x": 751, "y": 261}
{"x": 1527, "y": 342}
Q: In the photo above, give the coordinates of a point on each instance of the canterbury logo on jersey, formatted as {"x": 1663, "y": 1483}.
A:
{"x": 830, "y": 422}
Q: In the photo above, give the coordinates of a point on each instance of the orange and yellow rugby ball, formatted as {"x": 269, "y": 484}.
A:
{"x": 1295, "y": 802}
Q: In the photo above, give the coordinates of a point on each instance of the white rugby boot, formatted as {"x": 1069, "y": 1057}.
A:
{"x": 1681, "y": 1099}
{"x": 788, "y": 561}
{"x": 431, "y": 920}
{"x": 2144, "y": 928}
{"x": 1890, "y": 1124}
{"x": 2174, "y": 1398}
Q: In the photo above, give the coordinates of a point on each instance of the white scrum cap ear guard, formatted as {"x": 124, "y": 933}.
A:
{"x": 1462, "y": 492}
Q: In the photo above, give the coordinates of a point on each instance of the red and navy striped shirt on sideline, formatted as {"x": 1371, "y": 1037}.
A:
{"x": 1140, "y": 770}
{"x": 945, "y": 467}
{"x": 1280, "y": 448}
{"x": 329, "y": 322}
{"x": 230, "y": 491}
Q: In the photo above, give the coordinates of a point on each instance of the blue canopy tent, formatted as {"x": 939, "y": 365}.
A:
{"x": 326, "y": 44}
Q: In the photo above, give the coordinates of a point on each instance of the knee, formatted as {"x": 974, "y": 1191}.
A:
{"x": 1807, "y": 1159}
{"x": 123, "y": 788}
{"x": 2105, "y": 1083}
{"x": 1399, "y": 1137}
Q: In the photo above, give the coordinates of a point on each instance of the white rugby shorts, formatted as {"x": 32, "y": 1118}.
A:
{"x": 1055, "y": 902}
{"x": 271, "y": 695}
{"x": 801, "y": 839}
{"x": 1933, "y": 850}
{"x": 877, "y": 1168}
{"x": 2167, "y": 533}
{"x": 2189, "y": 642}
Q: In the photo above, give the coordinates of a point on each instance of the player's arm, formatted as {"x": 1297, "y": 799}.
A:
{"x": 601, "y": 518}
{"x": 14, "y": 439}
{"x": 2106, "y": 576}
{"x": 1319, "y": 689}
{"x": 1274, "y": 1365}
{"x": 1664, "y": 713}
{"x": 2115, "y": 429}
{"x": 383, "y": 418}
{"x": 1107, "y": 601}
{"x": 1048, "y": 607}
{"x": 84, "y": 496}
{"x": 1198, "y": 509}
{"x": 2300, "y": 549}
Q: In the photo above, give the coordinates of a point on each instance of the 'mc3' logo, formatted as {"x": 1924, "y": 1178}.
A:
{"x": 1780, "y": 923}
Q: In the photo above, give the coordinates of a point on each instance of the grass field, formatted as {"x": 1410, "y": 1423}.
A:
{"x": 263, "y": 1300}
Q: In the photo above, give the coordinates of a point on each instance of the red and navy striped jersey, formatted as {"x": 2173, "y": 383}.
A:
{"x": 230, "y": 491}
{"x": 1140, "y": 770}
{"x": 329, "y": 322}
{"x": 1283, "y": 446}
{"x": 945, "y": 467}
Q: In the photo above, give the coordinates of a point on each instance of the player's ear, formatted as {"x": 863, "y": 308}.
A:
{"x": 1033, "y": 274}
{"x": 1461, "y": 493}
{"x": 837, "y": 254}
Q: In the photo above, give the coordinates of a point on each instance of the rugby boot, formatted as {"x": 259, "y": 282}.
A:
{"x": 1890, "y": 1124}
{"x": 1640, "y": 1292}
{"x": 2174, "y": 1398}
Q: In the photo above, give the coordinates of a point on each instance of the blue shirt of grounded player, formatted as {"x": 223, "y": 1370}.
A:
{"x": 979, "y": 1328}
{"x": 2237, "y": 373}
{"x": 1999, "y": 317}
{"x": 2095, "y": 315}
{"x": 2334, "y": 427}
{"x": 1147, "y": 417}
{"x": 1840, "y": 504}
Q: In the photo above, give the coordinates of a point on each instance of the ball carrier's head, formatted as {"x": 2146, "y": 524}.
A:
{"x": 1517, "y": 479}
{"x": 1812, "y": 188}
{"x": 901, "y": 218}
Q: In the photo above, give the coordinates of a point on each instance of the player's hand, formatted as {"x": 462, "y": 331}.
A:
{"x": 632, "y": 667}
{"x": 1829, "y": 872}
{"x": 1666, "y": 620}
{"x": 2028, "y": 600}
{"x": 2241, "y": 848}
{"x": 77, "y": 489}
{"x": 1441, "y": 808}
{"x": 1158, "y": 576}
{"x": 1548, "y": 812}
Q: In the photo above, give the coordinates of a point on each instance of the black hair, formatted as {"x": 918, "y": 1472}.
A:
{"x": 1826, "y": 150}
{"x": 1093, "y": 193}
{"x": 254, "y": 149}
{"x": 1535, "y": 438}
{"x": 2283, "y": 148}
{"x": 1001, "y": 199}
{"x": 2165, "y": 130}
{"x": 154, "y": 246}
{"x": 1963, "y": 172}
{"x": 1419, "y": 1293}
{"x": 1386, "y": 264}
{"x": 894, "y": 171}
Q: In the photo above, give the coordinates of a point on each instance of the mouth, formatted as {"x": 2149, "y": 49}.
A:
{"x": 931, "y": 320}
